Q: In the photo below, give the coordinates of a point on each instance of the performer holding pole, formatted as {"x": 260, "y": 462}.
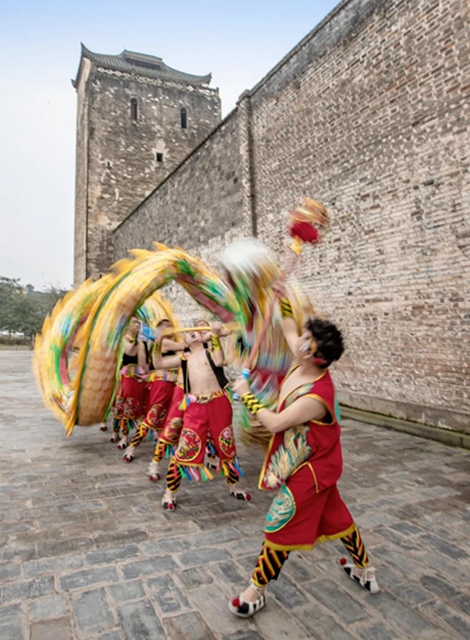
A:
{"x": 129, "y": 402}
{"x": 161, "y": 386}
{"x": 170, "y": 435}
{"x": 207, "y": 415}
{"x": 304, "y": 462}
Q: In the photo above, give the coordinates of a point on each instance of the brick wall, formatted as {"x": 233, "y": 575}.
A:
{"x": 202, "y": 202}
{"x": 369, "y": 113}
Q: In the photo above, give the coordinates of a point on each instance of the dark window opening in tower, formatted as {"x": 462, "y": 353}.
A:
{"x": 134, "y": 109}
{"x": 159, "y": 157}
{"x": 184, "y": 118}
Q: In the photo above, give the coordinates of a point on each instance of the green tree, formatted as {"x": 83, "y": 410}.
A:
{"x": 27, "y": 313}
{"x": 9, "y": 289}
{"x": 22, "y": 309}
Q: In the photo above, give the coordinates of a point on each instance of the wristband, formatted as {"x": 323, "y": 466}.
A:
{"x": 286, "y": 308}
{"x": 157, "y": 346}
{"x": 216, "y": 344}
{"x": 252, "y": 404}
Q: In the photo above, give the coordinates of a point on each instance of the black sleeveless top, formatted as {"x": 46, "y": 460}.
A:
{"x": 148, "y": 357}
{"x": 129, "y": 359}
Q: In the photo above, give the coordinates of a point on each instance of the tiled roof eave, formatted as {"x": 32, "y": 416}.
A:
{"x": 119, "y": 63}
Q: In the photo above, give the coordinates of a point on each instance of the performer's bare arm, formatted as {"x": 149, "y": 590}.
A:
{"x": 300, "y": 412}
{"x": 130, "y": 347}
{"x": 172, "y": 345}
{"x": 165, "y": 362}
{"x": 289, "y": 329}
{"x": 142, "y": 356}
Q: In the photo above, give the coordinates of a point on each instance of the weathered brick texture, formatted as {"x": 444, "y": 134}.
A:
{"x": 204, "y": 202}
{"x": 369, "y": 114}
{"x": 117, "y": 165}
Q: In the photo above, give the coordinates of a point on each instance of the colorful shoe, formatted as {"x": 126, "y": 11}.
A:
{"x": 153, "y": 471}
{"x": 365, "y": 577}
{"x": 244, "y": 609}
{"x": 130, "y": 454}
{"x": 114, "y": 438}
{"x": 169, "y": 501}
{"x": 240, "y": 494}
{"x": 103, "y": 426}
{"x": 122, "y": 443}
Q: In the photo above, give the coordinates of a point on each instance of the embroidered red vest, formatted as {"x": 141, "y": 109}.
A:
{"x": 316, "y": 442}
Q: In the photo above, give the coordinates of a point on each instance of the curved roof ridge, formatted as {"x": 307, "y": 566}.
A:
{"x": 141, "y": 64}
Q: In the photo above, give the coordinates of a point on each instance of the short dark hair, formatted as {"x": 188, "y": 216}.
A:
{"x": 328, "y": 338}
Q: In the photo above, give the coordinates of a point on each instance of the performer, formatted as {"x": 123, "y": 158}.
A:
{"x": 170, "y": 435}
{"x": 304, "y": 461}
{"x": 128, "y": 404}
{"x": 161, "y": 385}
{"x": 208, "y": 414}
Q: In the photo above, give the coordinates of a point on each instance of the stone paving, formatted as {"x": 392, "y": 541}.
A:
{"x": 87, "y": 551}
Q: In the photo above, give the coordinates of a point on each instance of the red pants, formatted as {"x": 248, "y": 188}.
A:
{"x": 174, "y": 420}
{"x": 160, "y": 395}
{"x": 212, "y": 419}
{"x": 300, "y": 515}
{"x": 129, "y": 401}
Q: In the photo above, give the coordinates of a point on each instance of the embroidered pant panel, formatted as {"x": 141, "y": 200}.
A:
{"x": 160, "y": 395}
{"x": 300, "y": 515}
{"x": 170, "y": 435}
{"x": 128, "y": 404}
{"x": 213, "y": 418}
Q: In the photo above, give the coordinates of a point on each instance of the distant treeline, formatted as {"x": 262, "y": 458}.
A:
{"x": 23, "y": 309}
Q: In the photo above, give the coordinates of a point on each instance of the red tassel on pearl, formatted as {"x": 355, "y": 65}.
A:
{"x": 305, "y": 220}
{"x": 303, "y": 232}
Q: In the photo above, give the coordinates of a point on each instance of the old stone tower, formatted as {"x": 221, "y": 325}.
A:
{"x": 137, "y": 119}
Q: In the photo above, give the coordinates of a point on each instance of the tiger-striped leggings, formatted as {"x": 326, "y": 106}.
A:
{"x": 271, "y": 561}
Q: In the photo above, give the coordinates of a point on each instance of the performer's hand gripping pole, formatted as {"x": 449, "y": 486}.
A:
{"x": 244, "y": 374}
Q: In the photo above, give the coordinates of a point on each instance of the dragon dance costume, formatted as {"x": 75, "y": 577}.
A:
{"x": 206, "y": 425}
{"x": 306, "y": 463}
{"x": 129, "y": 404}
{"x": 160, "y": 389}
{"x": 170, "y": 435}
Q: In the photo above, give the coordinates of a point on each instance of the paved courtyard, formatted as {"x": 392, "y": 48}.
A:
{"x": 87, "y": 552}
